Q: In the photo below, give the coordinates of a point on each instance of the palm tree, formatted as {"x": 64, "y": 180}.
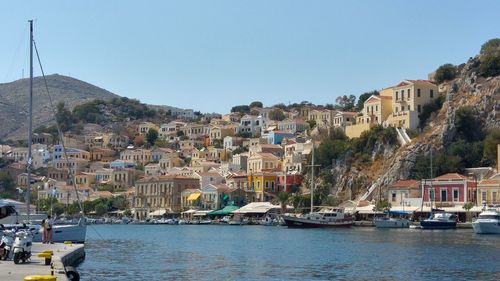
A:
{"x": 283, "y": 199}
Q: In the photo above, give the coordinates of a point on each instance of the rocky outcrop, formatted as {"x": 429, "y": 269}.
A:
{"x": 468, "y": 89}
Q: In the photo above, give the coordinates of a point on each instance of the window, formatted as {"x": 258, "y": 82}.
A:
{"x": 494, "y": 197}
{"x": 418, "y": 92}
{"x": 431, "y": 194}
{"x": 483, "y": 196}
{"x": 419, "y": 108}
{"x": 393, "y": 197}
{"x": 408, "y": 107}
{"x": 402, "y": 94}
{"x": 455, "y": 195}
{"x": 396, "y": 95}
{"x": 432, "y": 94}
{"x": 409, "y": 96}
{"x": 444, "y": 195}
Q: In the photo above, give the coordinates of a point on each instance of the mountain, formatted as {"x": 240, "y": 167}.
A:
{"x": 14, "y": 101}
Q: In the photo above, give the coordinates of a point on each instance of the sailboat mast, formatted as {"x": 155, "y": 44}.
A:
{"x": 312, "y": 178}
{"x": 30, "y": 126}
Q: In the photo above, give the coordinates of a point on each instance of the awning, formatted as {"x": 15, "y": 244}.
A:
{"x": 259, "y": 208}
{"x": 189, "y": 212}
{"x": 194, "y": 196}
{"x": 201, "y": 213}
{"x": 157, "y": 213}
{"x": 225, "y": 211}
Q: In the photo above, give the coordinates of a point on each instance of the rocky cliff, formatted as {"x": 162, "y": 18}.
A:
{"x": 390, "y": 163}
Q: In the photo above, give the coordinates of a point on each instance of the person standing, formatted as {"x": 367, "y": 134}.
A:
{"x": 43, "y": 229}
{"x": 50, "y": 224}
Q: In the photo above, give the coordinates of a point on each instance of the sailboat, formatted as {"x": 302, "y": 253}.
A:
{"x": 326, "y": 217}
{"x": 70, "y": 232}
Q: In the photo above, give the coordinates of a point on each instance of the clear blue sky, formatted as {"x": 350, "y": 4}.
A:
{"x": 211, "y": 55}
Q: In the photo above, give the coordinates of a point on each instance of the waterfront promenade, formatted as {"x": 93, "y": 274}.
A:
{"x": 64, "y": 255}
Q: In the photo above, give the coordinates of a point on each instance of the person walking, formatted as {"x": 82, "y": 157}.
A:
{"x": 50, "y": 224}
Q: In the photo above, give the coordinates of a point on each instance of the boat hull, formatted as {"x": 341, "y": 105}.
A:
{"x": 295, "y": 222}
{"x": 491, "y": 227}
{"x": 72, "y": 232}
{"x": 438, "y": 225}
{"x": 391, "y": 223}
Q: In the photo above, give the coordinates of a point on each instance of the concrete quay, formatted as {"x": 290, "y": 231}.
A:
{"x": 65, "y": 255}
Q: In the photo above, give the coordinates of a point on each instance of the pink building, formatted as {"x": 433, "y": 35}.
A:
{"x": 451, "y": 188}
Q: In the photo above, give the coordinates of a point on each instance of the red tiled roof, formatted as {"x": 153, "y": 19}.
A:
{"x": 490, "y": 181}
{"x": 451, "y": 176}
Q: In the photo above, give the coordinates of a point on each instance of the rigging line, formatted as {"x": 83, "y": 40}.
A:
{"x": 95, "y": 230}
{"x": 61, "y": 136}
{"x": 15, "y": 56}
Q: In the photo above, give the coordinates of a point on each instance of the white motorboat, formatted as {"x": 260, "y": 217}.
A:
{"x": 326, "y": 217}
{"x": 488, "y": 222}
{"x": 392, "y": 219}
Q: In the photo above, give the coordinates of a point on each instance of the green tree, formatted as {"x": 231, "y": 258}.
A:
{"x": 490, "y": 45}
{"x": 445, "y": 72}
{"x": 312, "y": 123}
{"x": 468, "y": 126}
{"x": 491, "y": 142}
{"x": 64, "y": 117}
{"x": 119, "y": 203}
{"x": 382, "y": 206}
{"x": 277, "y": 115}
{"x": 6, "y": 182}
{"x": 345, "y": 102}
{"x": 256, "y": 104}
{"x": 490, "y": 58}
{"x": 283, "y": 198}
{"x": 151, "y": 136}
{"x": 428, "y": 109}
{"x": 363, "y": 97}
{"x": 242, "y": 109}
{"x": 101, "y": 209}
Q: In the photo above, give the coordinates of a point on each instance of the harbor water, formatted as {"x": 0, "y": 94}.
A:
{"x": 222, "y": 252}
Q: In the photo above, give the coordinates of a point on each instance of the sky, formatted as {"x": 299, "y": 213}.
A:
{"x": 212, "y": 55}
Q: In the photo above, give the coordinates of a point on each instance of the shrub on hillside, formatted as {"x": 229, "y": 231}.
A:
{"x": 445, "y": 72}
{"x": 428, "y": 109}
{"x": 490, "y": 58}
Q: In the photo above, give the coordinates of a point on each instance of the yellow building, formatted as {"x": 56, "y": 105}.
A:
{"x": 409, "y": 98}
{"x": 375, "y": 111}
{"x": 262, "y": 184}
{"x": 145, "y": 126}
{"x": 262, "y": 161}
{"x": 84, "y": 180}
{"x": 489, "y": 191}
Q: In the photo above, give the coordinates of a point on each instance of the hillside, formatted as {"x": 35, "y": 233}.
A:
{"x": 452, "y": 140}
{"x": 14, "y": 98}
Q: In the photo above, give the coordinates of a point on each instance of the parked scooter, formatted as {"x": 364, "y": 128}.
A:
{"x": 22, "y": 246}
{"x": 6, "y": 243}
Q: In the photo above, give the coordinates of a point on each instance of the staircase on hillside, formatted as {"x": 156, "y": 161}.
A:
{"x": 403, "y": 136}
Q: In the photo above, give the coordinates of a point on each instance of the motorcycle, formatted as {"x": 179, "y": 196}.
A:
{"x": 22, "y": 246}
{"x": 6, "y": 244}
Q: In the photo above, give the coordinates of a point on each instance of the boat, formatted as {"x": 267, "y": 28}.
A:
{"x": 10, "y": 218}
{"x": 488, "y": 222}
{"x": 326, "y": 217}
{"x": 440, "y": 220}
{"x": 392, "y": 219}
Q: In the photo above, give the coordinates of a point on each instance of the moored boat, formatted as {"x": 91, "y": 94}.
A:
{"x": 326, "y": 217}
{"x": 440, "y": 220}
{"x": 488, "y": 222}
{"x": 392, "y": 219}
